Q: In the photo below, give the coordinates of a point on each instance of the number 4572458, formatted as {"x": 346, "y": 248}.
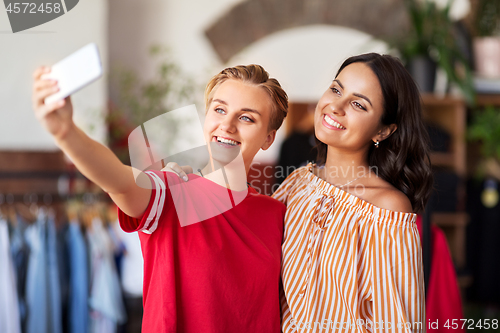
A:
{"x": 31, "y": 8}
{"x": 471, "y": 324}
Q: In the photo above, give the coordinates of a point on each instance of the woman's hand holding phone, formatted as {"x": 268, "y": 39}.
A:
{"x": 57, "y": 117}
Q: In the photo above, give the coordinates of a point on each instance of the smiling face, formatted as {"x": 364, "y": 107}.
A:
{"x": 237, "y": 119}
{"x": 348, "y": 115}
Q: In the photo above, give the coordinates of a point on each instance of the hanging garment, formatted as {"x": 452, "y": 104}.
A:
{"x": 132, "y": 268}
{"x": 20, "y": 254}
{"x": 9, "y": 307}
{"x": 118, "y": 248}
{"x": 42, "y": 286}
{"x": 443, "y": 302}
{"x": 63, "y": 265}
{"x": 106, "y": 302}
{"x": 79, "y": 284}
{"x": 132, "y": 277}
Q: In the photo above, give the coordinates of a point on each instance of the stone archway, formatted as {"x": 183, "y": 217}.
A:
{"x": 252, "y": 20}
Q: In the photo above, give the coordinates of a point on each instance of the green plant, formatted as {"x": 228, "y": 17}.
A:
{"x": 487, "y": 18}
{"x": 485, "y": 127}
{"x": 142, "y": 101}
{"x": 429, "y": 25}
{"x": 139, "y": 101}
{"x": 433, "y": 34}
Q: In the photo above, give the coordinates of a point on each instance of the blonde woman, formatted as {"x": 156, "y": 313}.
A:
{"x": 221, "y": 274}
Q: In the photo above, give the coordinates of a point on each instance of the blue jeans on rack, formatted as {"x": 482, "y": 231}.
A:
{"x": 79, "y": 282}
{"x": 42, "y": 286}
{"x": 20, "y": 251}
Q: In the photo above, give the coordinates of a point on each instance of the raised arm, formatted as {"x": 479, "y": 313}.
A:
{"x": 94, "y": 160}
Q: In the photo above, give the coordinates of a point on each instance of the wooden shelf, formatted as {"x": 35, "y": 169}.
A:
{"x": 488, "y": 99}
{"x": 446, "y": 100}
{"x": 26, "y": 164}
{"x": 465, "y": 281}
{"x": 450, "y": 114}
{"x": 442, "y": 159}
{"x": 454, "y": 225}
{"x": 452, "y": 219}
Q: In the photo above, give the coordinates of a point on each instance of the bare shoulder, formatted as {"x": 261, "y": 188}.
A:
{"x": 393, "y": 199}
{"x": 384, "y": 195}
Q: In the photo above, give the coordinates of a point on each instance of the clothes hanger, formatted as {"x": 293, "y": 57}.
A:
{"x": 29, "y": 209}
{"x": 112, "y": 213}
{"x": 9, "y": 210}
{"x": 47, "y": 205}
{"x": 85, "y": 218}
{"x": 71, "y": 210}
{"x": 89, "y": 211}
{"x": 3, "y": 207}
{"x": 25, "y": 212}
{"x": 100, "y": 212}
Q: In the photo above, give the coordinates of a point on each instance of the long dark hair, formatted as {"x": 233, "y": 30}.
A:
{"x": 403, "y": 158}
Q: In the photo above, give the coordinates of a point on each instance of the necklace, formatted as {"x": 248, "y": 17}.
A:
{"x": 313, "y": 165}
{"x": 350, "y": 181}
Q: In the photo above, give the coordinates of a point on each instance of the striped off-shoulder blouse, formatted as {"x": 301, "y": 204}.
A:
{"x": 347, "y": 266}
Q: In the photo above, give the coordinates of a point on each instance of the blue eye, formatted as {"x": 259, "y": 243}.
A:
{"x": 219, "y": 110}
{"x": 245, "y": 118}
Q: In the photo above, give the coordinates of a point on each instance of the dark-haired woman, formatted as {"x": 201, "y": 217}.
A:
{"x": 351, "y": 252}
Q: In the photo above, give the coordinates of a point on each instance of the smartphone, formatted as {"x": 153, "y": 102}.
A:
{"x": 75, "y": 72}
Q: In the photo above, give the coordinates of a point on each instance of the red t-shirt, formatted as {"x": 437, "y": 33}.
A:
{"x": 218, "y": 275}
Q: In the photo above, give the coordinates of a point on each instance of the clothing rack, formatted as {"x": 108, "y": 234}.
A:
{"x": 30, "y": 198}
{"x": 73, "y": 261}
{"x": 26, "y": 191}
{"x": 49, "y": 198}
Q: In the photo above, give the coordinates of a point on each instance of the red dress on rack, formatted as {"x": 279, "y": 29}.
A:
{"x": 443, "y": 302}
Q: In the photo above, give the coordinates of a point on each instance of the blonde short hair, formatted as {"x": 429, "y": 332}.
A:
{"x": 256, "y": 75}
